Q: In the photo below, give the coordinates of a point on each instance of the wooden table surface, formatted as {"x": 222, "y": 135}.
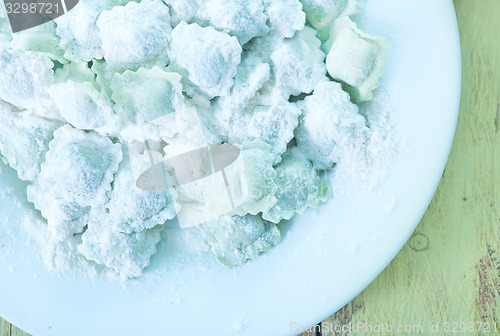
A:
{"x": 449, "y": 271}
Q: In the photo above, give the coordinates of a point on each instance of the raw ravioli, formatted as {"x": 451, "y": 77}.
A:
{"x": 78, "y": 167}
{"x": 24, "y": 79}
{"x": 355, "y": 58}
{"x": 299, "y": 187}
{"x": 322, "y": 13}
{"x": 185, "y": 10}
{"x": 273, "y": 123}
{"x": 236, "y": 239}
{"x": 285, "y": 17}
{"x": 24, "y": 140}
{"x": 135, "y": 34}
{"x": 131, "y": 209}
{"x": 299, "y": 63}
{"x": 237, "y": 91}
{"x": 40, "y": 41}
{"x": 207, "y": 57}
{"x": 330, "y": 126}
{"x": 226, "y": 112}
{"x": 82, "y": 106}
{"x": 142, "y": 97}
{"x": 104, "y": 74}
{"x": 74, "y": 71}
{"x": 75, "y": 177}
{"x": 128, "y": 254}
{"x": 252, "y": 186}
{"x": 270, "y": 118}
{"x": 79, "y": 34}
{"x": 244, "y": 19}
{"x": 64, "y": 219}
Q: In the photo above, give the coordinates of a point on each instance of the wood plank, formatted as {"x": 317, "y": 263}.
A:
{"x": 7, "y": 329}
{"x": 449, "y": 271}
{"x": 17, "y": 332}
{"x": 4, "y": 328}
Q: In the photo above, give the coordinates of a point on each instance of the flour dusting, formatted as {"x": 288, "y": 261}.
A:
{"x": 188, "y": 129}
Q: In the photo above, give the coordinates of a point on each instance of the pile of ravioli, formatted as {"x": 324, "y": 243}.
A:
{"x": 279, "y": 79}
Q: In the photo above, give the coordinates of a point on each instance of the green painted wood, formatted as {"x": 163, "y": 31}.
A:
{"x": 4, "y": 328}
{"x": 7, "y": 329}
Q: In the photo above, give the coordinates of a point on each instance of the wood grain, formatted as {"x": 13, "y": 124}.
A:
{"x": 450, "y": 269}
{"x": 7, "y": 329}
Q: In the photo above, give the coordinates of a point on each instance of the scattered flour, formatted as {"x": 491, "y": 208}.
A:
{"x": 287, "y": 82}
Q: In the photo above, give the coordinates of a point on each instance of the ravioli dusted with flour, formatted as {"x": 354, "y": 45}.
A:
{"x": 355, "y": 58}
{"x": 24, "y": 141}
{"x": 235, "y": 239}
{"x": 83, "y": 107}
{"x": 143, "y": 96}
{"x": 299, "y": 187}
{"x": 322, "y": 13}
{"x": 131, "y": 40}
{"x": 206, "y": 57}
{"x": 229, "y": 107}
{"x": 75, "y": 177}
{"x": 78, "y": 32}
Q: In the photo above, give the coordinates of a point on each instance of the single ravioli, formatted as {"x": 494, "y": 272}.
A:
{"x": 299, "y": 187}
{"x": 24, "y": 140}
{"x": 82, "y": 106}
{"x": 330, "y": 127}
{"x": 75, "y": 177}
{"x": 144, "y": 96}
{"x": 244, "y": 19}
{"x": 355, "y": 58}
{"x": 270, "y": 118}
{"x": 127, "y": 254}
{"x": 207, "y": 57}
{"x": 235, "y": 239}
{"x": 285, "y": 17}
{"x": 24, "y": 79}
{"x": 131, "y": 209}
{"x": 298, "y": 64}
{"x": 78, "y": 167}
{"x": 185, "y": 10}
{"x": 135, "y": 34}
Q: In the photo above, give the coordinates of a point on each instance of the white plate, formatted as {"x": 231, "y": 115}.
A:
{"x": 314, "y": 272}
